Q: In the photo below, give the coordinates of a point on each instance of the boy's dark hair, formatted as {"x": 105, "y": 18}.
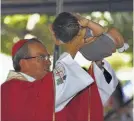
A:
{"x": 66, "y": 27}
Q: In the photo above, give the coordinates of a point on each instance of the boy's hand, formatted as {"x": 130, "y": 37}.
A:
{"x": 81, "y": 20}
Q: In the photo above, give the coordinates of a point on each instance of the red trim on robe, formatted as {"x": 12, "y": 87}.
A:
{"x": 96, "y": 107}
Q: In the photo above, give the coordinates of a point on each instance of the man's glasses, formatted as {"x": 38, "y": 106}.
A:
{"x": 40, "y": 57}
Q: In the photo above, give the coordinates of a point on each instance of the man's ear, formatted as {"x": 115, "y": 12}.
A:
{"x": 56, "y": 41}
{"x": 22, "y": 64}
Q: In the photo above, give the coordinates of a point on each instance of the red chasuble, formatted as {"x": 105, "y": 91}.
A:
{"x": 28, "y": 101}
{"x": 85, "y": 106}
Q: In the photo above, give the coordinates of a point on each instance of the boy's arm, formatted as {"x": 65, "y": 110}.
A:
{"x": 91, "y": 27}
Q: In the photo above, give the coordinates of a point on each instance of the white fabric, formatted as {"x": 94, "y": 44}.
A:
{"x": 124, "y": 48}
{"x": 76, "y": 80}
{"x": 105, "y": 89}
{"x": 29, "y": 78}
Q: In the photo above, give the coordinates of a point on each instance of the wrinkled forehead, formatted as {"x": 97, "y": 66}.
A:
{"x": 37, "y": 48}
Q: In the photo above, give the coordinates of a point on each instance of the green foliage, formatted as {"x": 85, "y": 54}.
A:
{"x": 14, "y": 27}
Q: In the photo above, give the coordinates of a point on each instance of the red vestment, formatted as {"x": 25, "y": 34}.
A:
{"x": 28, "y": 101}
{"x": 85, "y": 106}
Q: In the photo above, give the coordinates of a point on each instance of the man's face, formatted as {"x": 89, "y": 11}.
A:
{"x": 39, "y": 66}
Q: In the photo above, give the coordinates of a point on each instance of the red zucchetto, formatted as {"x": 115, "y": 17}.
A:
{"x": 17, "y": 46}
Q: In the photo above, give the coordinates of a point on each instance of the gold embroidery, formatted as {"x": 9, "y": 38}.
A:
{"x": 91, "y": 73}
{"x": 54, "y": 97}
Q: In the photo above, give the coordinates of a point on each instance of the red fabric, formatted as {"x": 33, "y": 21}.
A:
{"x": 17, "y": 46}
{"x": 86, "y": 103}
{"x": 61, "y": 115}
{"x": 96, "y": 107}
{"x": 28, "y": 101}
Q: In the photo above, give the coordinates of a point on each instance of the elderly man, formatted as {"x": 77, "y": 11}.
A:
{"x": 32, "y": 92}
{"x": 88, "y": 104}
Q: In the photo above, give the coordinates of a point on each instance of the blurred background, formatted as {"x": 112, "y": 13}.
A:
{"x": 28, "y": 19}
